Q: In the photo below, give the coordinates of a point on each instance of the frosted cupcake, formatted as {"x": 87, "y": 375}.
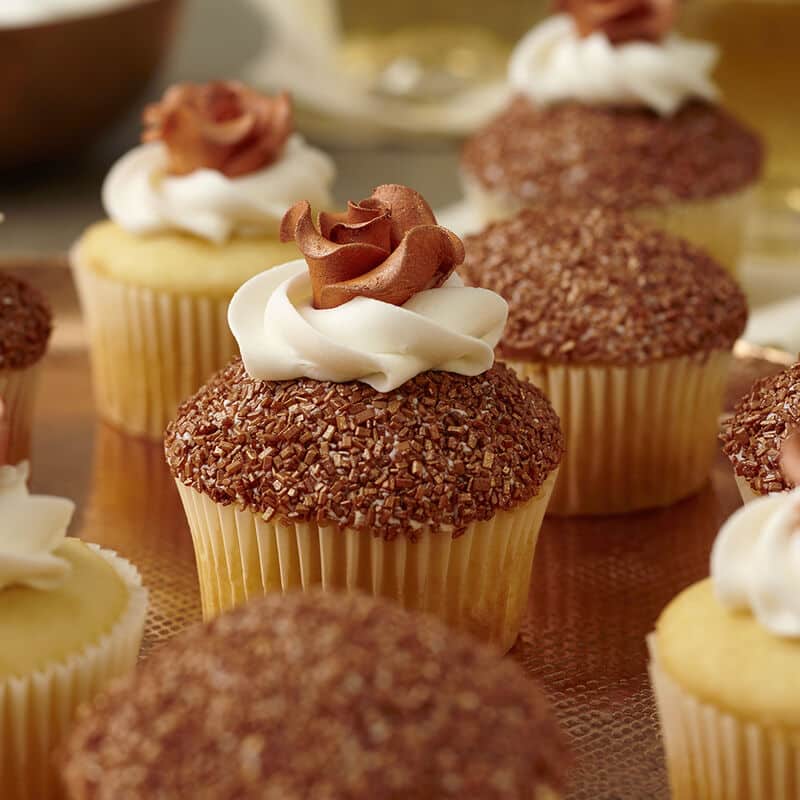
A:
{"x": 612, "y": 108}
{"x": 628, "y": 331}
{"x": 320, "y": 695}
{"x": 25, "y": 327}
{"x": 725, "y": 662}
{"x": 194, "y": 212}
{"x": 754, "y": 435}
{"x": 366, "y": 441}
{"x": 71, "y": 619}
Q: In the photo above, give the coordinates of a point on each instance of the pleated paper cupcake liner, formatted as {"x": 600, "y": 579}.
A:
{"x": 718, "y": 225}
{"x": 712, "y": 755}
{"x": 36, "y": 710}
{"x": 637, "y": 437}
{"x": 18, "y": 391}
{"x": 478, "y": 581}
{"x": 150, "y": 350}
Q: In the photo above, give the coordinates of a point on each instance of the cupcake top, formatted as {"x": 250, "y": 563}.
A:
{"x": 25, "y": 323}
{"x": 612, "y": 108}
{"x": 596, "y": 287}
{"x": 218, "y": 160}
{"x": 366, "y": 396}
{"x": 762, "y": 420}
{"x": 625, "y": 158}
{"x": 755, "y": 563}
{"x": 312, "y": 695}
{"x": 439, "y": 452}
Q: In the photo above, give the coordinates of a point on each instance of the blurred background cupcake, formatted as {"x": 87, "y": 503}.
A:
{"x": 725, "y": 661}
{"x": 628, "y": 331}
{"x": 754, "y": 435}
{"x": 194, "y": 212}
{"x": 71, "y": 619}
{"x": 613, "y": 108}
{"x": 25, "y": 327}
{"x": 367, "y": 441}
{"x": 319, "y": 695}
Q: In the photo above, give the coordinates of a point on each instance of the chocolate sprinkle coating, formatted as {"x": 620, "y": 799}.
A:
{"x": 25, "y": 323}
{"x": 625, "y": 158}
{"x": 761, "y": 421}
{"x": 315, "y": 695}
{"x": 596, "y": 287}
{"x": 442, "y": 450}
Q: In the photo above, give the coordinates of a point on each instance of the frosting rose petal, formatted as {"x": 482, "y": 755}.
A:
{"x": 224, "y": 125}
{"x": 622, "y": 20}
{"x": 387, "y": 247}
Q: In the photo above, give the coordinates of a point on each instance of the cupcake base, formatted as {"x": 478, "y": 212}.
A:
{"x": 477, "y": 582}
{"x": 637, "y": 437}
{"x": 37, "y": 710}
{"x": 715, "y": 756}
{"x": 18, "y": 391}
{"x": 149, "y": 350}
{"x": 718, "y": 225}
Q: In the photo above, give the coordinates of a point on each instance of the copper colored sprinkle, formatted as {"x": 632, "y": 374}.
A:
{"x": 762, "y": 420}
{"x": 626, "y": 158}
{"x": 595, "y": 287}
{"x": 443, "y": 450}
{"x": 25, "y": 323}
{"x": 622, "y": 20}
{"x": 387, "y": 247}
{"x": 314, "y": 695}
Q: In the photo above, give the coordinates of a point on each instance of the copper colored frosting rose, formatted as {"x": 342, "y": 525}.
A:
{"x": 622, "y": 20}
{"x": 224, "y": 125}
{"x": 387, "y": 247}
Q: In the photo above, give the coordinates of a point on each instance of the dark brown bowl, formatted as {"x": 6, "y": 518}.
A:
{"x": 62, "y": 83}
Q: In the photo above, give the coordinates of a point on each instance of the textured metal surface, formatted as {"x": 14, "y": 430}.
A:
{"x": 598, "y": 584}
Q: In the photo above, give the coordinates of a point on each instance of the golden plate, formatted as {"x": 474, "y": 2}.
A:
{"x": 599, "y": 584}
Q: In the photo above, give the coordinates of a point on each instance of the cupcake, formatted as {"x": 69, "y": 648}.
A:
{"x": 612, "y": 108}
{"x": 628, "y": 331}
{"x": 366, "y": 440}
{"x": 194, "y": 212}
{"x": 322, "y": 696}
{"x": 753, "y": 436}
{"x": 71, "y": 619}
{"x": 25, "y": 326}
{"x": 725, "y": 662}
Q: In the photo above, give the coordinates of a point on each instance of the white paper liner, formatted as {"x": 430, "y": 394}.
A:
{"x": 636, "y": 437}
{"x": 149, "y": 350}
{"x": 478, "y": 581}
{"x": 718, "y": 225}
{"x": 36, "y": 710}
{"x": 712, "y": 755}
{"x": 18, "y": 391}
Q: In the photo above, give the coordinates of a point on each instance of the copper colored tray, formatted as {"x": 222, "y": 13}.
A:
{"x": 598, "y": 584}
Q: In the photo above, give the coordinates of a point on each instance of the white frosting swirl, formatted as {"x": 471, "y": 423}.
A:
{"x": 282, "y": 336}
{"x": 140, "y": 196}
{"x": 15, "y": 13}
{"x": 755, "y": 563}
{"x": 31, "y": 528}
{"x": 552, "y": 64}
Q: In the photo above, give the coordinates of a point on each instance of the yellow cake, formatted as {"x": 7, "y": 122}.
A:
{"x": 193, "y": 213}
{"x": 725, "y": 663}
{"x": 71, "y": 619}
